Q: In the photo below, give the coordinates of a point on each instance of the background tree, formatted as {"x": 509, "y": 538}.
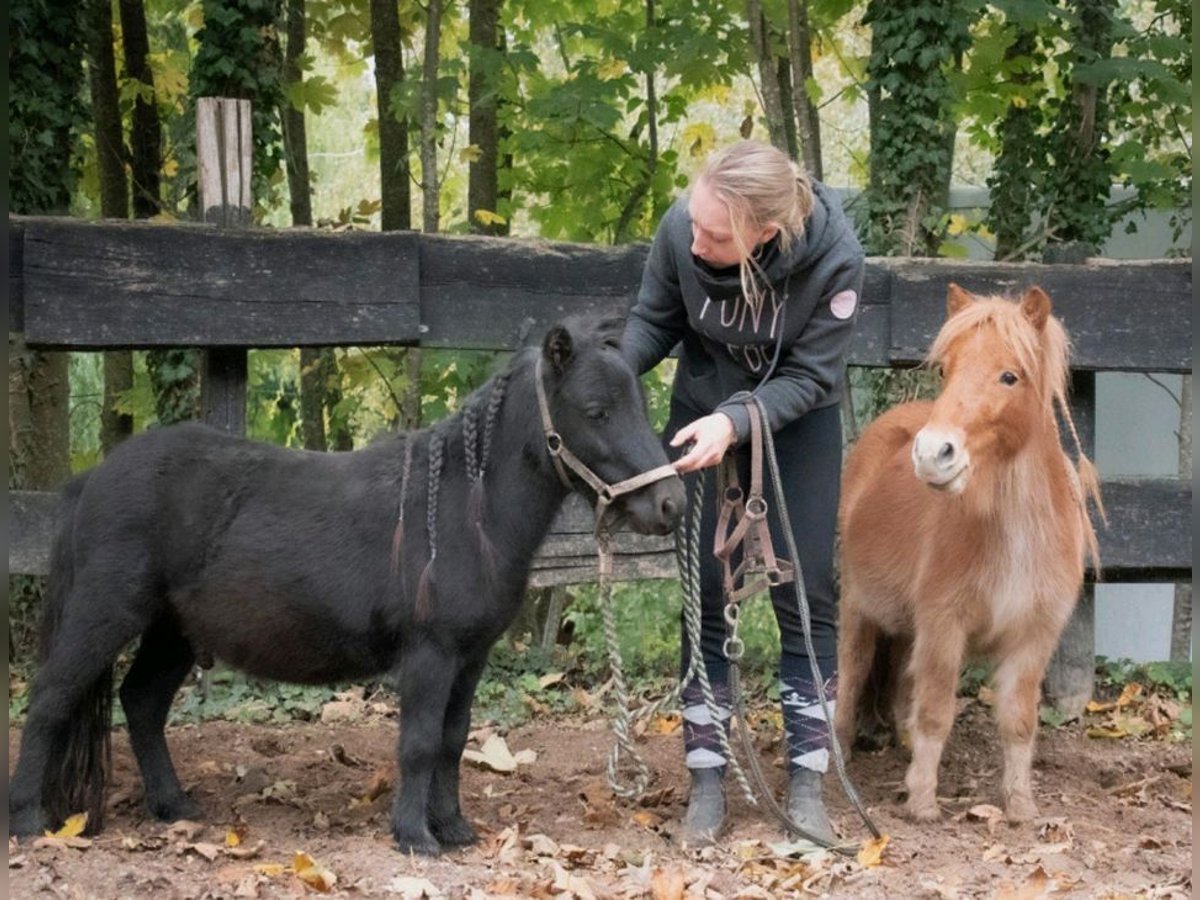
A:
{"x": 145, "y": 133}
{"x": 115, "y": 425}
{"x": 483, "y": 100}
{"x": 394, "y": 171}
{"x": 430, "y": 126}
{"x": 45, "y": 117}
{"x": 915, "y": 48}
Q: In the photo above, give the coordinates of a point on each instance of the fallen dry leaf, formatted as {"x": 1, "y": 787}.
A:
{"x": 871, "y": 852}
{"x": 208, "y": 851}
{"x": 668, "y": 884}
{"x": 412, "y": 888}
{"x": 185, "y": 829}
{"x": 567, "y": 883}
{"x": 72, "y": 827}
{"x": 647, "y": 819}
{"x": 494, "y": 755}
{"x": 312, "y": 873}
{"x": 1033, "y": 888}
{"x": 550, "y": 679}
{"x": 991, "y": 815}
{"x": 1056, "y": 831}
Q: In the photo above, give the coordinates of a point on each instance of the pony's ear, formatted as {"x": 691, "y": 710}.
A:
{"x": 956, "y": 299}
{"x": 558, "y": 347}
{"x": 1036, "y": 307}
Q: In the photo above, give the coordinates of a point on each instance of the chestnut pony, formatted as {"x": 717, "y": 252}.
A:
{"x": 965, "y": 529}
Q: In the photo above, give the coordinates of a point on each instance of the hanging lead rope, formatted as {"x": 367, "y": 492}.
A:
{"x": 739, "y": 523}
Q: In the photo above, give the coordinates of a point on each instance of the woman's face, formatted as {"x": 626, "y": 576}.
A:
{"x": 714, "y": 236}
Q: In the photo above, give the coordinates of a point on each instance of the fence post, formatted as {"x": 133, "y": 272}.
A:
{"x": 224, "y": 153}
{"x": 1071, "y": 675}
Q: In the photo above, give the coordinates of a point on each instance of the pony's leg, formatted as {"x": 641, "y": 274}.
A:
{"x": 163, "y": 661}
{"x": 857, "y": 636}
{"x": 427, "y": 675}
{"x": 937, "y": 655}
{"x": 1018, "y": 687}
{"x": 900, "y": 687}
{"x": 91, "y": 632}
{"x": 446, "y": 820}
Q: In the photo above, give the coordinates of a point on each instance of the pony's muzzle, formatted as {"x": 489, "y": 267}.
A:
{"x": 940, "y": 458}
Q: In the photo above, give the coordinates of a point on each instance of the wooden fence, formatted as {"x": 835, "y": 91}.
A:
{"x": 77, "y": 285}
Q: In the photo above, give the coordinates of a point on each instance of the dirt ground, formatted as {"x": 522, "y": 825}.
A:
{"x": 1116, "y": 823}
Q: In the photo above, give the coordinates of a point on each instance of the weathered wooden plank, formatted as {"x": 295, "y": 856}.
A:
{"x": 1148, "y": 538}
{"x": 1126, "y": 316}
{"x": 496, "y": 294}
{"x": 1149, "y": 533}
{"x": 96, "y": 285}
{"x": 32, "y": 524}
{"x": 16, "y": 252}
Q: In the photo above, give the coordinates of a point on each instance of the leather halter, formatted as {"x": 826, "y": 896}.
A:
{"x": 743, "y": 522}
{"x": 564, "y": 459}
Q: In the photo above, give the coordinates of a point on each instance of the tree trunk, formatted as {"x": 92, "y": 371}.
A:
{"x": 808, "y": 123}
{"x": 106, "y": 111}
{"x": 114, "y": 196}
{"x": 1081, "y": 174}
{"x": 484, "y": 133}
{"x": 1181, "y": 620}
{"x": 39, "y": 421}
{"x": 430, "y": 193}
{"x": 621, "y": 232}
{"x": 395, "y": 180}
{"x": 768, "y": 78}
{"x": 145, "y": 135}
{"x": 295, "y": 138}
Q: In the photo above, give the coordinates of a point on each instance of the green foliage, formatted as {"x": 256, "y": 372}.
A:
{"x": 915, "y": 48}
{"x": 1172, "y": 678}
{"x": 175, "y": 382}
{"x": 239, "y": 698}
{"x": 46, "y": 111}
{"x": 647, "y": 618}
{"x": 1073, "y": 98}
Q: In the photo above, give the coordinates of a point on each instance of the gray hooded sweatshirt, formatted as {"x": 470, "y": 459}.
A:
{"x": 807, "y": 317}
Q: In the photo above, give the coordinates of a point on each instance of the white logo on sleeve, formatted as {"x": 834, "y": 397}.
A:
{"x": 843, "y": 304}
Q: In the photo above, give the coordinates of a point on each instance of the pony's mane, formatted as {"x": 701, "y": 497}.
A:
{"x": 1045, "y": 357}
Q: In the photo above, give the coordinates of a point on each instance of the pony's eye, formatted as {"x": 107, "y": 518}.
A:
{"x": 1008, "y": 378}
{"x": 597, "y": 413}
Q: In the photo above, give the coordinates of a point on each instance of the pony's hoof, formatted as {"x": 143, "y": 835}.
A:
{"x": 172, "y": 809}
{"x": 26, "y": 823}
{"x": 420, "y": 844}
{"x": 1019, "y": 810}
{"x": 456, "y": 833}
{"x": 922, "y": 812}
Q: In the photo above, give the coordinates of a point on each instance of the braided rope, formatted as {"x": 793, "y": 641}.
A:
{"x": 470, "y": 430}
{"x": 806, "y": 621}
{"x": 436, "y": 443}
{"x": 495, "y": 401}
{"x": 696, "y": 667}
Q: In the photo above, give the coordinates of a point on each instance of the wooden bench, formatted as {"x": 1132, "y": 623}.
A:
{"x": 76, "y": 285}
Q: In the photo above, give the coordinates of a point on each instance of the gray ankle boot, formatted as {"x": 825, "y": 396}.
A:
{"x": 805, "y": 806}
{"x": 705, "y": 815}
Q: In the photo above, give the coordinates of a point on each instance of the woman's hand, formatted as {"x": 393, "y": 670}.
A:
{"x": 710, "y": 437}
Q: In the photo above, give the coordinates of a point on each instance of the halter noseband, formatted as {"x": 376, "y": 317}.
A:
{"x": 564, "y": 459}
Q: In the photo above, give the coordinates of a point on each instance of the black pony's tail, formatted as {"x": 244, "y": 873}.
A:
{"x": 80, "y": 755}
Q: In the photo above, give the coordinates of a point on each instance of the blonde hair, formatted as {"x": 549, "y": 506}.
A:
{"x": 761, "y": 187}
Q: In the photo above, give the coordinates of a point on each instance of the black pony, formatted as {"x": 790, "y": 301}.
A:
{"x": 409, "y": 556}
